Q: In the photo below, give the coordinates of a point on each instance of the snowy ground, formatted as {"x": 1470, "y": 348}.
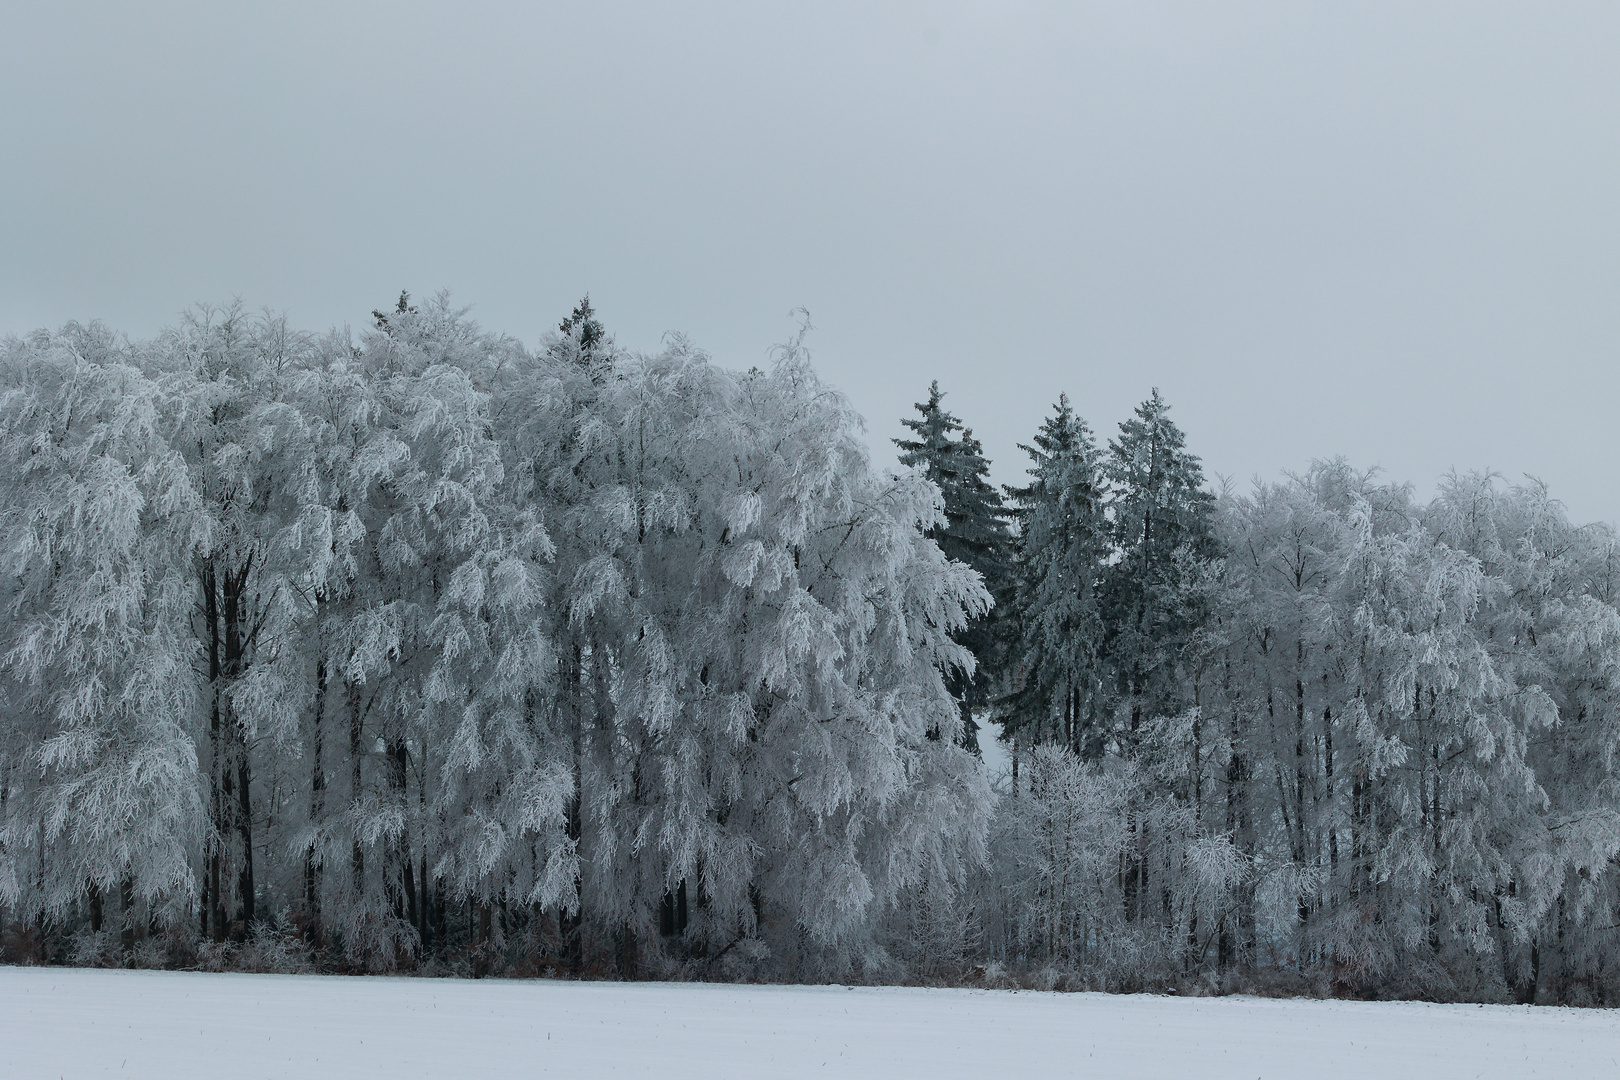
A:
{"x": 65, "y": 1023}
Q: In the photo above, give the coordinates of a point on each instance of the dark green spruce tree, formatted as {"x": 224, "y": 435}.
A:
{"x": 585, "y": 340}
{"x": 1154, "y": 593}
{"x": 975, "y": 532}
{"x": 1056, "y": 689}
{"x": 583, "y": 323}
{"x": 386, "y": 319}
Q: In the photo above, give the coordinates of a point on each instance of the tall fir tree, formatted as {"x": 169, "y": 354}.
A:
{"x": 976, "y": 533}
{"x": 1163, "y": 539}
{"x": 585, "y": 329}
{"x": 1062, "y": 548}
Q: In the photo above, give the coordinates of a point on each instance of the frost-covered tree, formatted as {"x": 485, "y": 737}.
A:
{"x": 975, "y": 532}
{"x": 1548, "y": 618}
{"x": 431, "y": 643}
{"x": 426, "y": 649}
{"x": 1160, "y": 514}
{"x": 429, "y": 632}
{"x": 758, "y": 634}
{"x": 1390, "y": 679}
{"x": 101, "y": 795}
{"x": 1063, "y": 549}
{"x": 240, "y": 443}
{"x": 584, "y": 331}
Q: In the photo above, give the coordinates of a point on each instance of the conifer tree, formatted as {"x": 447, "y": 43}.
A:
{"x": 385, "y": 320}
{"x": 975, "y": 533}
{"x": 1163, "y": 537}
{"x": 1062, "y": 547}
{"x": 584, "y": 329}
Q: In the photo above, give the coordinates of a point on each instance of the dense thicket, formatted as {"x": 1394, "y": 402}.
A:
{"x": 1321, "y": 729}
{"x": 1320, "y": 736}
{"x": 442, "y": 650}
{"x": 423, "y": 650}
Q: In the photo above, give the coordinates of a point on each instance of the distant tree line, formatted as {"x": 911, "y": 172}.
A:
{"x": 420, "y": 649}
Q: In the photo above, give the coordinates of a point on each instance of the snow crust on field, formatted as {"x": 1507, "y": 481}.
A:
{"x": 57, "y": 1022}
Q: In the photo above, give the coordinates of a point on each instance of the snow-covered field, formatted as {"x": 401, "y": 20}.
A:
{"x": 68, "y": 1023}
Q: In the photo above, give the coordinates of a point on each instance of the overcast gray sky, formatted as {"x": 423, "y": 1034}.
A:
{"x": 1389, "y": 231}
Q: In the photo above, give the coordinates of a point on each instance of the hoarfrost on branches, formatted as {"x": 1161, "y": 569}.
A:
{"x": 420, "y": 649}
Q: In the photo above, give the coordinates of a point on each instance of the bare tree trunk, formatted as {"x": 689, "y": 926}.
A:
{"x": 440, "y": 915}
{"x": 1301, "y": 840}
{"x": 420, "y": 895}
{"x": 401, "y": 889}
{"x": 235, "y": 662}
{"x": 481, "y": 950}
{"x": 1327, "y": 797}
{"x": 317, "y": 792}
{"x": 571, "y": 925}
{"x": 213, "y": 908}
{"x": 357, "y": 856}
{"x": 427, "y": 904}
{"x": 126, "y": 897}
{"x": 1015, "y": 765}
{"x": 244, "y": 829}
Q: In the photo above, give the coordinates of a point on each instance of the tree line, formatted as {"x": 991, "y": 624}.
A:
{"x": 421, "y": 649}
{"x": 1321, "y": 730}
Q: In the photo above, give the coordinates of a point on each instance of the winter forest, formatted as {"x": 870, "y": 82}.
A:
{"x": 422, "y": 650}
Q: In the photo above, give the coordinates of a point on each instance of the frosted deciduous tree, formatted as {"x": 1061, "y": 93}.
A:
{"x": 101, "y": 796}
{"x": 240, "y": 443}
{"x": 759, "y": 632}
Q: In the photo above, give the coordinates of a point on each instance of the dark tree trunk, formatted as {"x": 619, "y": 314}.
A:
{"x": 244, "y": 829}
{"x": 404, "y": 900}
{"x": 126, "y": 897}
{"x": 213, "y": 906}
{"x": 672, "y": 912}
{"x": 481, "y": 950}
{"x": 1327, "y": 781}
{"x": 571, "y": 924}
{"x": 425, "y": 910}
{"x": 317, "y": 793}
{"x": 626, "y": 954}
{"x": 231, "y": 770}
{"x": 357, "y": 856}
{"x": 1015, "y": 765}
{"x": 235, "y": 662}
{"x": 409, "y": 874}
{"x": 440, "y": 917}
{"x": 213, "y": 891}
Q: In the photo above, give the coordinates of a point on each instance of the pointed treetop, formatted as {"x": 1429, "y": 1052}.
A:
{"x": 403, "y": 307}
{"x": 1062, "y": 435}
{"x": 1149, "y": 462}
{"x": 582, "y": 320}
{"x": 975, "y": 533}
{"x": 934, "y": 447}
{"x": 1063, "y": 549}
